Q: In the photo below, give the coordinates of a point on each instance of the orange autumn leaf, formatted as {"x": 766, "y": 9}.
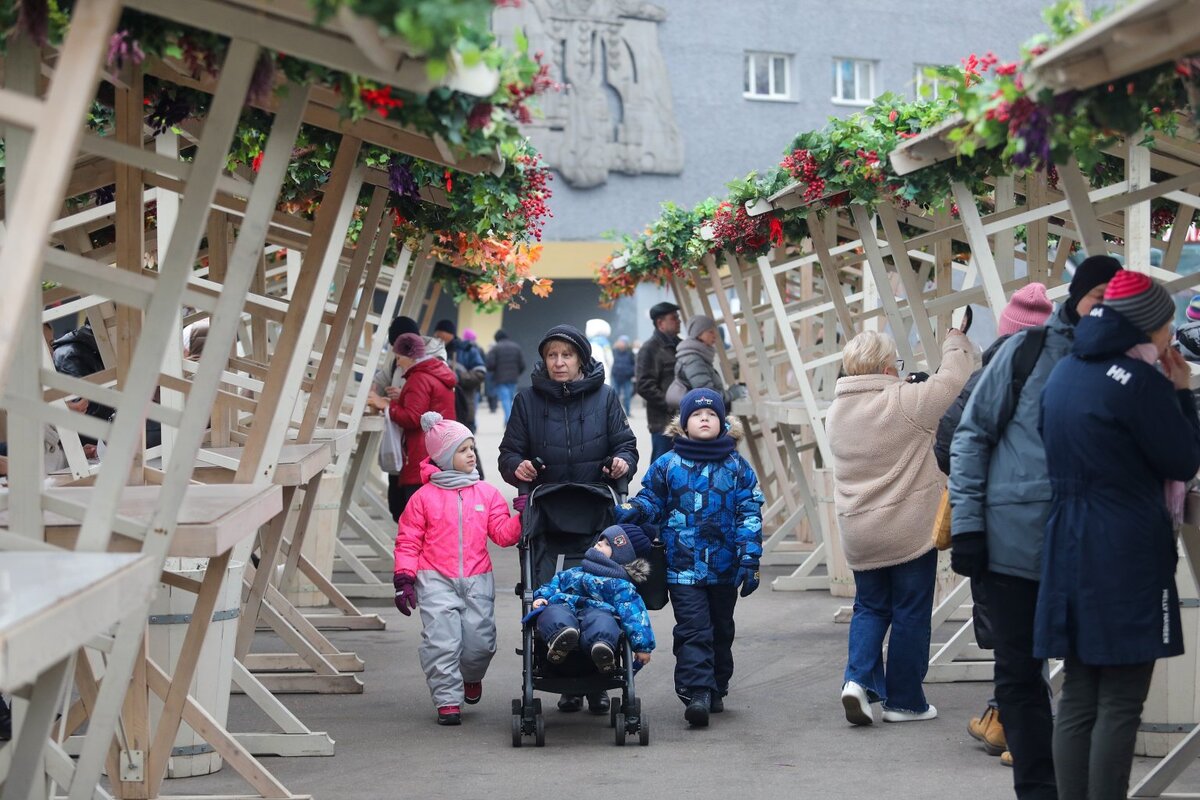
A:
{"x": 542, "y": 287}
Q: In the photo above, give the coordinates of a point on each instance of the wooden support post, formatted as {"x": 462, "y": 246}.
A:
{"x": 914, "y": 291}
{"x": 829, "y": 275}
{"x": 1004, "y": 242}
{"x": 1137, "y": 215}
{"x": 1075, "y": 187}
{"x": 887, "y": 297}
{"x": 981, "y": 251}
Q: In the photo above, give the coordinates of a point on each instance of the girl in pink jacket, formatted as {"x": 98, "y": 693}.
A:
{"x": 442, "y": 561}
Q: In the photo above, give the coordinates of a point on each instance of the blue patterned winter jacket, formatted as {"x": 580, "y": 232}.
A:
{"x": 577, "y": 589}
{"x": 709, "y": 514}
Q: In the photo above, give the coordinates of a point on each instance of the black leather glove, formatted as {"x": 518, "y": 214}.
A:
{"x": 969, "y": 554}
{"x": 917, "y": 377}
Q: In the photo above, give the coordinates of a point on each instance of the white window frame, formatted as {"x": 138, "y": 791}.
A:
{"x": 862, "y": 68}
{"x": 773, "y": 93}
{"x": 920, "y": 80}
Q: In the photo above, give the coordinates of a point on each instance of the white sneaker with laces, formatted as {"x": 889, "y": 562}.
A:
{"x": 857, "y": 704}
{"x": 909, "y": 716}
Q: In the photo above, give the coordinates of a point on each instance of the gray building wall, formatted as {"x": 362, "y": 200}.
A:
{"x": 725, "y": 135}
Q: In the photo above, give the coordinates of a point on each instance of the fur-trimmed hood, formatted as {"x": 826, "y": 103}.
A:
{"x": 639, "y": 570}
{"x": 735, "y": 432}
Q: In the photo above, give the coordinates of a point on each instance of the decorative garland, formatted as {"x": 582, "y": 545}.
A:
{"x": 1007, "y": 129}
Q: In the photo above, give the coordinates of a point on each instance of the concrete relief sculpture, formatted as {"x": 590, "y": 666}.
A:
{"x": 615, "y": 111}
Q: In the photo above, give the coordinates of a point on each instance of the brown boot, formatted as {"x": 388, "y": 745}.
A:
{"x": 988, "y": 730}
{"x": 1006, "y": 758}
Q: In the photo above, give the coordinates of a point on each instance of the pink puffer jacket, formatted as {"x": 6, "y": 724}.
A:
{"x": 446, "y": 530}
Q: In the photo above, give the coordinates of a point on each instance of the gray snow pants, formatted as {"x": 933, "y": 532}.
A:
{"x": 459, "y": 635}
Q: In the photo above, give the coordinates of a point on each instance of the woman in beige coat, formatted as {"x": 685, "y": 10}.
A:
{"x": 881, "y": 430}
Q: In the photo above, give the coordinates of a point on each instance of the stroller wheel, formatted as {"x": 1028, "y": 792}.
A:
{"x": 516, "y": 730}
{"x": 619, "y": 730}
{"x": 613, "y": 710}
{"x": 643, "y": 732}
{"x": 539, "y": 731}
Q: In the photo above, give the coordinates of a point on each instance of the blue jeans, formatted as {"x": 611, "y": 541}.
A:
{"x": 899, "y": 597}
{"x": 625, "y": 395}
{"x": 660, "y": 443}
{"x": 506, "y": 392}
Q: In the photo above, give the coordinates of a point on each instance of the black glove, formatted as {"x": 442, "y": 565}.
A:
{"x": 917, "y": 377}
{"x": 747, "y": 576}
{"x": 969, "y": 554}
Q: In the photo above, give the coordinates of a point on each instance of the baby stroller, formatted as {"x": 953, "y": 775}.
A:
{"x": 560, "y": 522}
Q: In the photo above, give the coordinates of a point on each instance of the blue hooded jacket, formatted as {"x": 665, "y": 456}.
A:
{"x": 1115, "y": 431}
{"x": 708, "y": 513}
{"x": 576, "y": 588}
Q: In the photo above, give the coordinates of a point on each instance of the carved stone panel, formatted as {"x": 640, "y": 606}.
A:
{"x": 614, "y": 112}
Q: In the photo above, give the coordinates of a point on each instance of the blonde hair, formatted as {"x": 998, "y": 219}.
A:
{"x": 869, "y": 353}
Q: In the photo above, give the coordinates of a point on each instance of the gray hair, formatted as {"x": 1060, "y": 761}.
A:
{"x": 869, "y": 353}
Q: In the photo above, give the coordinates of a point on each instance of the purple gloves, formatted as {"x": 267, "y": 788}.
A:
{"x": 519, "y": 503}
{"x": 406, "y": 592}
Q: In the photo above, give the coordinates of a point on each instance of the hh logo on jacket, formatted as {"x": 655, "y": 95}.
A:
{"x": 1119, "y": 375}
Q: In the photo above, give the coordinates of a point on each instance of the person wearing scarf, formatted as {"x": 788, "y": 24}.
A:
{"x": 586, "y": 608}
{"x": 1121, "y": 436}
{"x": 705, "y": 499}
{"x": 443, "y": 568}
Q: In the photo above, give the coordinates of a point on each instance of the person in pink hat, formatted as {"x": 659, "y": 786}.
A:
{"x": 1028, "y": 307}
{"x": 442, "y": 565}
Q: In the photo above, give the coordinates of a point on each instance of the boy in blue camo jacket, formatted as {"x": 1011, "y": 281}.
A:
{"x": 578, "y": 604}
{"x": 704, "y": 497}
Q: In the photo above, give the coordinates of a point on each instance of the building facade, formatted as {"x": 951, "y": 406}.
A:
{"x": 669, "y": 100}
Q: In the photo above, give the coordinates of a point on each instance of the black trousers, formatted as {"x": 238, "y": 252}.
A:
{"x": 1098, "y": 717}
{"x": 703, "y": 637}
{"x": 398, "y": 495}
{"x": 1021, "y": 690}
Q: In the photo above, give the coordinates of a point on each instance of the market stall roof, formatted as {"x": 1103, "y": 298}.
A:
{"x": 1137, "y": 37}
{"x": 347, "y": 42}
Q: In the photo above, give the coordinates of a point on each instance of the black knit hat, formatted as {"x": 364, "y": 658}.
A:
{"x": 572, "y": 336}
{"x": 402, "y": 325}
{"x": 446, "y": 326}
{"x": 1091, "y": 272}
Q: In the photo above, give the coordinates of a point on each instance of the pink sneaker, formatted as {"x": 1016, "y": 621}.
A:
{"x": 449, "y": 715}
{"x": 472, "y": 692}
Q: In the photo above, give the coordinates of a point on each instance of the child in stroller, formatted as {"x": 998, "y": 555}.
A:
{"x": 579, "y": 590}
{"x": 581, "y": 606}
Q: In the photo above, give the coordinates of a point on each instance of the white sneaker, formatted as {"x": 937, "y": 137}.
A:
{"x": 909, "y": 716}
{"x": 857, "y": 704}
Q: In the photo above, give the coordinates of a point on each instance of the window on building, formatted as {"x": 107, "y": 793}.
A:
{"x": 853, "y": 81}
{"x": 768, "y": 76}
{"x": 927, "y": 82}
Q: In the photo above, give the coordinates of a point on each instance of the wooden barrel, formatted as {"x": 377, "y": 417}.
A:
{"x": 318, "y": 543}
{"x": 170, "y": 614}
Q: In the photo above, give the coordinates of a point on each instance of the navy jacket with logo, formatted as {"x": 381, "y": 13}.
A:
{"x": 1115, "y": 431}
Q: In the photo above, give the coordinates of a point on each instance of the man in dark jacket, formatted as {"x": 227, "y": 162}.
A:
{"x": 505, "y": 363}
{"x": 76, "y": 354}
{"x": 655, "y": 371}
{"x": 1000, "y": 494}
{"x": 467, "y": 363}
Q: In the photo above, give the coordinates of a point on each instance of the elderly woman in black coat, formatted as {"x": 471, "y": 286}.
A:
{"x": 574, "y": 422}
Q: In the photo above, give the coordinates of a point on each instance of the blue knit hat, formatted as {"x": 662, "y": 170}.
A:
{"x": 622, "y": 547}
{"x": 638, "y": 537}
{"x": 697, "y": 399}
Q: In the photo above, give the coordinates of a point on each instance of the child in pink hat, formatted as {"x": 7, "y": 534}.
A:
{"x": 1028, "y": 308}
{"x": 443, "y": 568}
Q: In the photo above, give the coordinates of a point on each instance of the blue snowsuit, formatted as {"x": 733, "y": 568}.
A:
{"x": 593, "y": 599}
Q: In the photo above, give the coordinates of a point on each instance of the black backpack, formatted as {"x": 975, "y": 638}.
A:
{"x": 1023, "y": 363}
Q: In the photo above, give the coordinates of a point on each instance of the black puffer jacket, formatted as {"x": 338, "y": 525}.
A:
{"x": 572, "y": 426}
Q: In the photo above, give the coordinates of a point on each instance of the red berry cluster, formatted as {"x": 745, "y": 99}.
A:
{"x": 381, "y": 100}
{"x": 734, "y": 229}
{"x": 535, "y": 191}
{"x": 803, "y": 167}
{"x": 1160, "y": 220}
{"x": 541, "y": 82}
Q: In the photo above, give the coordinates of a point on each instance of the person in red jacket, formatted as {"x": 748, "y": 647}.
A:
{"x": 428, "y": 386}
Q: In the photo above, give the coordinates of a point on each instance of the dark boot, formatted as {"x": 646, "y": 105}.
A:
{"x": 570, "y": 703}
{"x": 716, "y": 704}
{"x": 698, "y": 708}
{"x": 598, "y": 703}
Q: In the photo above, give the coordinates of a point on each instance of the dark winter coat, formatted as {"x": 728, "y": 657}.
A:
{"x": 505, "y": 361}
{"x": 572, "y": 426}
{"x": 709, "y": 515}
{"x": 466, "y": 360}
{"x": 1115, "y": 430}
{"x": 624, "y": 365}
{"x": 998, "y": 481}
{"x": 77, "y": 355}
{"x": 949, "y": 422}
{"x": 655, "y": 371}
{"x": 428, "y": 386}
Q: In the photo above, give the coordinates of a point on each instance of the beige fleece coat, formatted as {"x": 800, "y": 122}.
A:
{"x": 887, "y": 484}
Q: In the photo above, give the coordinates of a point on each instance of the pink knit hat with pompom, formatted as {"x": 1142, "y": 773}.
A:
{"x": 443, "y": 437}
{"x": 1028, "y": 308}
